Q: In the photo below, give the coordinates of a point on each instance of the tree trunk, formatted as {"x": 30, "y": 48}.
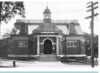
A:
{"x": 0, "y": 16}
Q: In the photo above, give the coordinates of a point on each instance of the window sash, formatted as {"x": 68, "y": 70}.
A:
{"x": 71, "y": 43}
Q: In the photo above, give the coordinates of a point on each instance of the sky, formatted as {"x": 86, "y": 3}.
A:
{"x": 61, "y": 10}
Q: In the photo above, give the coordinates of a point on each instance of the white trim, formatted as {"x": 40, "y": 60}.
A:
{"x": 47, "y": 32}
{"x": 47, "y": 35}
{"x": 61, "y": 55}
{"x": 18, "y": 55}
{"x": 34, "y": 55}
{"x": 80, "y": 55}
{"x": 46, "y": 39}
{"x": 20, "y": 38}
{"x": 38, "y": 38}
{"x": 74, "y": 38}
{"x": 52, "y": 43}
{"x": 23, "y": 55}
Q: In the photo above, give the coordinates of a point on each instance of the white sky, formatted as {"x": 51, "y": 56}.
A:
{"x": 61, "y": 9}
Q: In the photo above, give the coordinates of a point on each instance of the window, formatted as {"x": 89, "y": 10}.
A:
{"x": 71, "y": 43}
{"x": 23, "y": 44}
{"x": 72, "y": 29}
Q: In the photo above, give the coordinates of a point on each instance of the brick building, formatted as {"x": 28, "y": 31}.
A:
{"x": 51, "y": 39}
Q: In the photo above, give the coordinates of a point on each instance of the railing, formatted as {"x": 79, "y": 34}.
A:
{"x": 41, "y": 21}
{"x": 64, "y": 21}
{"x": 29, "y": 21}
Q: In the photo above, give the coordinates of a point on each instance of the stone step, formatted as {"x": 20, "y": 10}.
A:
{"x": 47, "y": 58}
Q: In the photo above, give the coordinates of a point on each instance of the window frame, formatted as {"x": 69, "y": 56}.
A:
{"x": 71, "y": 43}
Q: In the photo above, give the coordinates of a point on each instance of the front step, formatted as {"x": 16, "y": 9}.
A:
{"x": 47, "y": 58}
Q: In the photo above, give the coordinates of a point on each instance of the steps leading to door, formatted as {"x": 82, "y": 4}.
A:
{"x": 47, "y": 58}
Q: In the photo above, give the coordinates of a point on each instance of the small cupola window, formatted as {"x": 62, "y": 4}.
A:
{"x": 47, "y": 15}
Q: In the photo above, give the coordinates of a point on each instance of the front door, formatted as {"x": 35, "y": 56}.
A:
{"x": 47, "y": 47}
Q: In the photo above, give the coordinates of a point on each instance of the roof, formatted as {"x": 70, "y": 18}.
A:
{"x": 64, "y": 26}
{"x": 59, "y": 28}
{"x": 47, "y": 28}
{"x": 78, "y": 30}
{"x": 47, "y": 10}
{"x": 64, "y": 29}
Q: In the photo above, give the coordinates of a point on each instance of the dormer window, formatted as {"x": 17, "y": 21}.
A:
{"x": 72, "y": 29}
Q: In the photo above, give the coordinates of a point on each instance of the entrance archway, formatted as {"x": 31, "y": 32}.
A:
{"x": 47, "y": 47}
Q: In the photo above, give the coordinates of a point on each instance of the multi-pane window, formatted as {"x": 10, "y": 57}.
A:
{"x": 23, "y": 44}
{"x": 71, "y": 43}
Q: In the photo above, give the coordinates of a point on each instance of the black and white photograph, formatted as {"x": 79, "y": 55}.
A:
{"x": 53, "y": 34}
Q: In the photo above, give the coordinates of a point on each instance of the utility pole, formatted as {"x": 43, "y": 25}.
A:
{"x": 92, "y": 8}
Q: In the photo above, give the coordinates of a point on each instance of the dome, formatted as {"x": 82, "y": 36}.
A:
{"x": 47, "y": 11}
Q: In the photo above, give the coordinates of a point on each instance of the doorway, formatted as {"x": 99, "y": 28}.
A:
{"x": 47, "y": 47}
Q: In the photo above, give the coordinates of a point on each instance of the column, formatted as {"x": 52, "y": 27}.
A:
{"x": 57, "y": 45}
{"x": 38, "y": 46}
{"x": 83, "y": 47}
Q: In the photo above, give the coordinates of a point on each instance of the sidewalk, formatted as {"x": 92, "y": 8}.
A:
{"x": 4, "y": 63}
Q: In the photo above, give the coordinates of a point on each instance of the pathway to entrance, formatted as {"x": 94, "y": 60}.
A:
{"x": 47, "y": 58}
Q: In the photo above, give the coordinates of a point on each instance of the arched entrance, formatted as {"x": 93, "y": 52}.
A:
{"x": 47, "y": 47}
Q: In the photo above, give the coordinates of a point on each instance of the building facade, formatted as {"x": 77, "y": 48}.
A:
{"x": 50, "y": 40}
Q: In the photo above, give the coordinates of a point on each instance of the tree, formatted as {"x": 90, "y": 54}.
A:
{"x": 8, "y": 9}
{"x": 88, "y": 43}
